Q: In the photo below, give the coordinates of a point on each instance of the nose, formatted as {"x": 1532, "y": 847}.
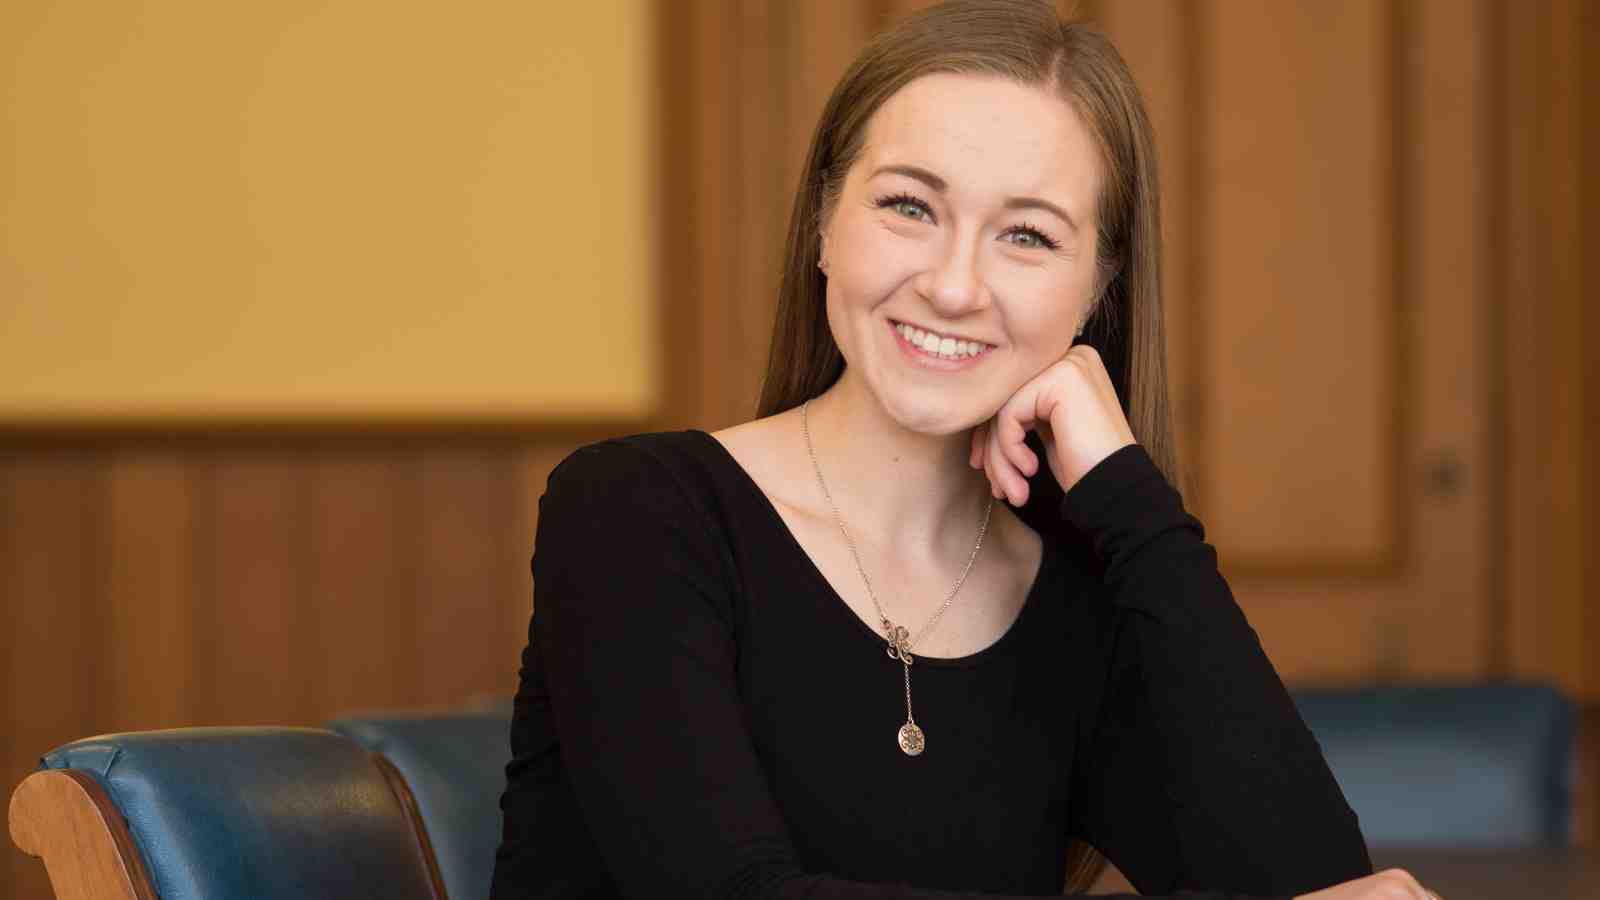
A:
{"x": 953, "y": 283}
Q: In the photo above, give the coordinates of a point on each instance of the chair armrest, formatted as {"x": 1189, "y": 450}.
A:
{"x": 64, "y": 818}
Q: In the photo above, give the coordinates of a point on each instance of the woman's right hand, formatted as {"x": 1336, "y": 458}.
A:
{"x": 1390, "y": 884}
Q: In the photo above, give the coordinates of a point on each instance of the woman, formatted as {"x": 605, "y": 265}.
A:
{"x": 810, "y": 655}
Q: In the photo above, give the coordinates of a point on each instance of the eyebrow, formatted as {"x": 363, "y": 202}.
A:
{"x": 940, "y": 185}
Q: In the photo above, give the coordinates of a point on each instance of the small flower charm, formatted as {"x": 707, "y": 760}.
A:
{"x": 899, "y": 646}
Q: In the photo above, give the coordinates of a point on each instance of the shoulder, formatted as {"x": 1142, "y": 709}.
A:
{"x": 665, "y": 461}
{"x": 631, "y": 517}
{"x": 658, "y": 472}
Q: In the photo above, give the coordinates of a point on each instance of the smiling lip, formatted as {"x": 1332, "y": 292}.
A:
{"x": 928, "y": 360}
{"x": 959, "y": 337}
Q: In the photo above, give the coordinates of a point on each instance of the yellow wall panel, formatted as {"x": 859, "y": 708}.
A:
{"x": 306, "y": 211}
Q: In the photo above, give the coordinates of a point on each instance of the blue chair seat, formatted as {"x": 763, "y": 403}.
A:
{"x": 1479, "y": 765}
{"x": 248, "y": 814}
{"x": 454, "y": 764}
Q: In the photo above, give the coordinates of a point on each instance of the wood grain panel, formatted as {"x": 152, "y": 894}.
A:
{"x": 256, "y": 657}
{"x": 146, "y": 592}
{"x": 1589, "y": 252}
{"x": 363, "y": 523}
{"x": 468, "y": 562}
{"x": 1419, "y": 603}
{"x": 1542, "y": 317}
{"x": 1445, "y": 234}
{"x": 10, "y": 711}
{"x": 700, "y": 93}
{"x": 1320, "y": 630}
{"x": 1160, "y": 42}
{"x": 1300, "y": 292}
{"x": 54, "y": 507}
{"x": 764, "y": 154}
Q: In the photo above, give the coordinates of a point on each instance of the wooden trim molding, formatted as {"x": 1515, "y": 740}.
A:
{"x": 1585, "y": 828}
{"x": 408, "y": 802}
{"x": 65, "y": 818}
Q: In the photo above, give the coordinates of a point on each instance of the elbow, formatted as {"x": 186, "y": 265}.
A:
{"x": 765, "y": 880}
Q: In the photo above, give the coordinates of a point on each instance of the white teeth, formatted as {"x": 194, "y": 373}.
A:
{"x": 946, "y": 347}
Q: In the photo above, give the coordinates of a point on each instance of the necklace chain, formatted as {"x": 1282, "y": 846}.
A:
{"x": 911, "y": 737}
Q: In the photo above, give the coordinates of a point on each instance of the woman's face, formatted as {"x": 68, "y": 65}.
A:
{"x": 970, "y": 214}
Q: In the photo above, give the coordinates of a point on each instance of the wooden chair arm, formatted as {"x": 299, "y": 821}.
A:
{"x": 65, "y": 818}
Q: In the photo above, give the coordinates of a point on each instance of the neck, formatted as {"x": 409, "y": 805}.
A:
{"x": 905, "y": 492}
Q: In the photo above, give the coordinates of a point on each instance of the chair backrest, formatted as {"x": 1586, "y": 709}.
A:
{"x": 1486, "y": 765}
{"x": 222, "y": 814}
{"x": 454, "y": 764}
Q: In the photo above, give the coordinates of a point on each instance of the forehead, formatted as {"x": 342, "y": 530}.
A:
{"x": 988, "y": 136}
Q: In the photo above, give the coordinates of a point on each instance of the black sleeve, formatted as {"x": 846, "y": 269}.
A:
{"x": 633, "y": 631}
{"x": 1199, "y": 771}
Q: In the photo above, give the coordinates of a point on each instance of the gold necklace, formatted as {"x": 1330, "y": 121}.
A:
{"x": 910, "y": 737}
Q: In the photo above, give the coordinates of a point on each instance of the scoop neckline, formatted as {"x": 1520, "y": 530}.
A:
{"x": 1047, "y": 562}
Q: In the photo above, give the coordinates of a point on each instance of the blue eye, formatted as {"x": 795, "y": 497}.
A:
{"x": 1025, "y": 236}
{"x": 906, "y": 205}
{"x": 1034, "y": 238}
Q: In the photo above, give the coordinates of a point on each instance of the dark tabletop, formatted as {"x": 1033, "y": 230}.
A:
{"x": 1472, "y": 874}
{"x": 1499, "y": 874}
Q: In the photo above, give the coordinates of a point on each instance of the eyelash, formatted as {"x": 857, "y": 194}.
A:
{"x": 1045, "y": 241}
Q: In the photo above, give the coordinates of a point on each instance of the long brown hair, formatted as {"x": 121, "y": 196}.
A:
{"x": 1025, "y": 41}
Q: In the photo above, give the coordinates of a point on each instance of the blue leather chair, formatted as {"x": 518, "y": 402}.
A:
{"x": 454, "y": 764}
{"x": 220, "y": 814}
{"x": 1484, "y": 765}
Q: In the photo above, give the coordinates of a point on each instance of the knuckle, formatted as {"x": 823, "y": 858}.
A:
{"x": 1399, "y": 882}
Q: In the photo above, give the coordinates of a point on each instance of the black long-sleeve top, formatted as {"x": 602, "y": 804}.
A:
{"x": 702, "y": 716}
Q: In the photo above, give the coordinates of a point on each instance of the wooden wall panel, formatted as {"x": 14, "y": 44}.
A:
{"x": 54, "y": 504}
{"x": 1548, "y": 536}
{"x": 157, "y": 582}
{"x": 362, "y": 578}
{"x": 469, "y": 565}
{"x": 1300, "y": 294}
{"x": 1589, "y": 243}
{"x": 1446, "y": 302}
{"x": 699, "y": 153}
{"x": 1160, "y": 41}
{"x": 147, "y": 635}
{"x": 765, "y": 153}
{"x": 255, "y": 655}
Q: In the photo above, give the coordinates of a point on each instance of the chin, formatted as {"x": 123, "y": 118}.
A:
{"x": 932, "y": 415}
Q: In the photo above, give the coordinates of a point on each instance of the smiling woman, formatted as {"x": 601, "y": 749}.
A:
{"x": 833, "y": 664}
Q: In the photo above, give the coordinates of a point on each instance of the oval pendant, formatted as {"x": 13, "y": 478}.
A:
{"x": 911, "y": 739}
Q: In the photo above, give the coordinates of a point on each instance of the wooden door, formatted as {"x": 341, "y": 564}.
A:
{"x": 1327, "y": 215}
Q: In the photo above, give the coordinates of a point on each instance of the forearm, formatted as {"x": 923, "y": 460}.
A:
{"x": 1249, "y": 793}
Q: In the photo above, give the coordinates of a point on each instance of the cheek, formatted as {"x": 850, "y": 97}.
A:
{"x": 1055, "y": 300}
{"x": 871, "y": 260}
